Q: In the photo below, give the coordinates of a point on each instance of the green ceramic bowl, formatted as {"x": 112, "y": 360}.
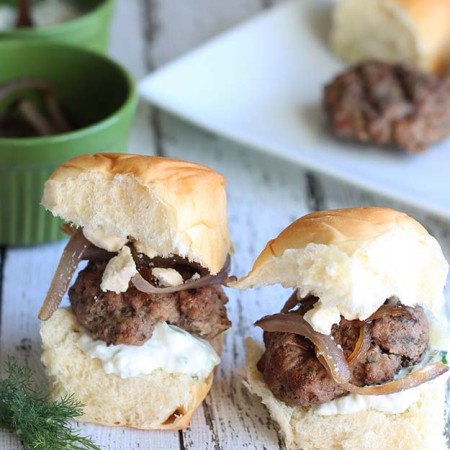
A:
{"x": 96, "y": 91}
{"x": 89, "y": 30}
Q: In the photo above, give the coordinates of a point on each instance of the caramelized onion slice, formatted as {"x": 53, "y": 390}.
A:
{"x": 416, "y": 378}
{"x": 362, "y": 345}
{"x": 68, "y": 228}
{"x": 72, "y": 255}
{"x": 94, "y": 253}
{"x": 291, "y": 302}
{"x": 21, "y": 84}
{"x": 206, "y": 280}
{"x": 325, "y": 345}
{"x": 35, "y": 118}
{"x": 391, "y": 310}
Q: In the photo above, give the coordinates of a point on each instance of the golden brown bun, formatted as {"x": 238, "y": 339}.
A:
{"x": 168, "y": 206}
{"x": 420, "y": 427}
{"x": 415, "y": 31}
{"x": 353, "y": 260}
{"x": 344, "y": 227}
{"x": 159, "y": 401}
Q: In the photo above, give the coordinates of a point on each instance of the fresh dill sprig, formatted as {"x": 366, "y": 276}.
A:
{"x": 28, "y": 411}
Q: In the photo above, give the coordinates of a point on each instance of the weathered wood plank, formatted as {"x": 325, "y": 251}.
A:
{"x": 127, "y": 46}
{"x": 181, "y": 26}
{"x": 127, "y": 43}
{"x": 27, "y": 272}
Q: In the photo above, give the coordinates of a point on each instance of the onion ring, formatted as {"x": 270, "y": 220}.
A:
{"x": 361, "y": 346}
{"x": 72, "y": 255}
{"x": 141, "y": 284}
{"x": 413, "y": 379}
{"x": 325, "y": 345}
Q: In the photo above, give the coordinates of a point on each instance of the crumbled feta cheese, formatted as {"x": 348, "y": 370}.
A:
{"x": 167, "y": 277}
{"x": 104, "y": 240}
{"x": 322, "y": 318}
{"x": 145, "y": 249}
{"x": 118, "y": 272}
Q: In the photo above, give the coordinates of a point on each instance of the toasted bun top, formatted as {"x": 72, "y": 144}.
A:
{"x": 366, "y": 30}
{"x": 353, "y": 260}
{"x": 165, "y": 205}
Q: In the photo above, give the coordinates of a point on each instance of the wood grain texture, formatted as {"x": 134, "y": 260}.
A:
{"x": 179, "y": 26}
{"x": 265, "y": 194}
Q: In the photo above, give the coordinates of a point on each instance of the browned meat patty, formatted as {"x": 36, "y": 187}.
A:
{"x": 388, "y": 105}
{"x": 130, "y": 317}
{"x": 294, "y": 374}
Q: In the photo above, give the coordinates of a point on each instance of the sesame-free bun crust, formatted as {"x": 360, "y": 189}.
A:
{"x": 168, "y": 206}
{"x": 420, "y": 427}
{"x": 414, "y": 31}
{"x": 159, "y": 401}
{"x": 344, "y": 227}
{"x": 354, "y": 260}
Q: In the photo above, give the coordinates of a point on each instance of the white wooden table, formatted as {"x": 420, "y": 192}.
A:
{"x": 265, "y": 194}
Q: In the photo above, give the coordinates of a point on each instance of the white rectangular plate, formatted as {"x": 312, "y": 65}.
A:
{"x": 261, "y": 84}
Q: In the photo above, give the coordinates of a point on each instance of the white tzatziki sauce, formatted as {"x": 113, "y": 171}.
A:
{"x": 170, "y": 349}
{"x": 352, "y": 403}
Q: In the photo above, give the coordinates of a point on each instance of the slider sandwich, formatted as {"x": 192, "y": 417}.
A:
{"x": 142, "y": 336}
{"x": 356, "y": 359}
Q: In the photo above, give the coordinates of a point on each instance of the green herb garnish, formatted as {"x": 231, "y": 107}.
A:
{"x": 42, "y": 424}
{"x": 443, "y": 356}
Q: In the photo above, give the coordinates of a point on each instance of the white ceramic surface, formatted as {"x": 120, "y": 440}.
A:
{"x": 261, "y": 84}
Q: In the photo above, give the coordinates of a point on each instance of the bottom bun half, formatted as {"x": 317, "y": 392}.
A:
{"x": 159, "y": 401}
{"x": 420, "y": 427}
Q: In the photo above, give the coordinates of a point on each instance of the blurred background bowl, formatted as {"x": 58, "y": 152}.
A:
{"x": 89, "y": 30}
{"x": 101, "y": 98}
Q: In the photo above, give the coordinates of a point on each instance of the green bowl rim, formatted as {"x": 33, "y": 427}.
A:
{"x": 130, "y": 100}
{"x": 63, "y": 27}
